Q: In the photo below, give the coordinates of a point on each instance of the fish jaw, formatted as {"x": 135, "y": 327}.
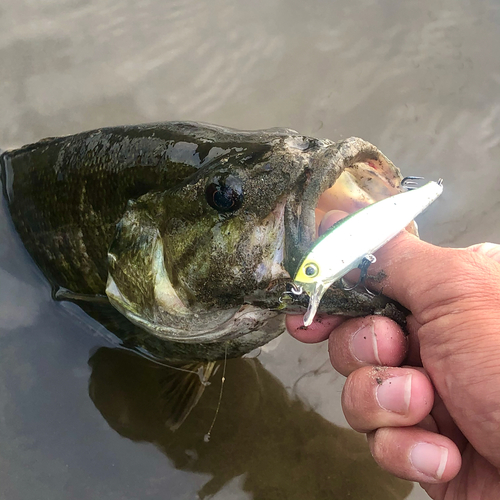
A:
{"x": 347, "y": 176}
{"x": 256, "y": 325}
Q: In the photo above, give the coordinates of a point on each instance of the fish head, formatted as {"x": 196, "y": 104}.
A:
{"x": 183, "y": 261}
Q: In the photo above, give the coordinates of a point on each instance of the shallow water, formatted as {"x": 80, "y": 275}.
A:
{"x": 421, "y": 80}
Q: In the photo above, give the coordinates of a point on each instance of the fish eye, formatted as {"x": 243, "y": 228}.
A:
{"x": 225, "y": 194}
{"x": 311, "y": 270}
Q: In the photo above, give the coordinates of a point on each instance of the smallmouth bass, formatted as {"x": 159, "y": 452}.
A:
{"x": 181, "y": 237}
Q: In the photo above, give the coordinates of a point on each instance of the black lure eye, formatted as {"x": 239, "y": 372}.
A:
{"x": 225, "y": 194}
{"x": 311, "y": 270}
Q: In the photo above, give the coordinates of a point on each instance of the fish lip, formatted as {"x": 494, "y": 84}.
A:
{"x": 326, "y": 165}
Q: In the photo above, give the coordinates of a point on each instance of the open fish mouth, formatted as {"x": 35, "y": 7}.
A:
{"x": 357, "y": 175}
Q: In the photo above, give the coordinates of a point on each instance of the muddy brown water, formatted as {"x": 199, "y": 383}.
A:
{"x": 80, "y": 419}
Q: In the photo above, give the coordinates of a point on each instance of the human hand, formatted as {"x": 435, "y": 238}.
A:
{"x": 436, "y": 420}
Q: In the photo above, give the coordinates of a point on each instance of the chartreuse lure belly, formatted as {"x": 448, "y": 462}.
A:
{"x": 350, "y": 243}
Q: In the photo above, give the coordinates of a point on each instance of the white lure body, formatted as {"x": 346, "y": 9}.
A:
{"x": 344, "y": 246}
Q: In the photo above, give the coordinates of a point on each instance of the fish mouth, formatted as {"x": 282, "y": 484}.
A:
{"x": 347, "y": 176}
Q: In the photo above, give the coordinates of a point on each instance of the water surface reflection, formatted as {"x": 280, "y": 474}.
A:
{"x": 276, "y": 445}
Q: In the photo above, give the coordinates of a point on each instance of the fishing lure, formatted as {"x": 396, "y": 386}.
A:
{"x": 350, "y": 243}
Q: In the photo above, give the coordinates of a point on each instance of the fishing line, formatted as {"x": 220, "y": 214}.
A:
{"x": 206, "y": 438}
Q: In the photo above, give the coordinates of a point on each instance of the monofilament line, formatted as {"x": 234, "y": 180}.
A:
{"x": 223, "y": 379}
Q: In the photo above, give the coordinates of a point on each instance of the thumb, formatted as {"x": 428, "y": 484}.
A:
{"x": 429, "y": 280}
{"x": 455, "y": 295}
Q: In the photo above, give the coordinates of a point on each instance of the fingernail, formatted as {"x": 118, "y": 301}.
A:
{"x": 364, "y": 345}
{"x": 394, "y": 394}
{"x": 429, "y": 459}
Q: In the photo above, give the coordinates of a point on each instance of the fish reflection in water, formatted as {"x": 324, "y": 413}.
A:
{"x": 281, "y": 448}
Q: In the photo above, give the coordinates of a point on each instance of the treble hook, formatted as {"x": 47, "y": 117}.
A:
{"x": 364, "y": 265}
{"x": 409, "y": 182}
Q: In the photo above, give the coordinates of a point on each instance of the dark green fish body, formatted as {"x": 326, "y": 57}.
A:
{"x": 67, "y": 194}
{"x": 181, "y": 237}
